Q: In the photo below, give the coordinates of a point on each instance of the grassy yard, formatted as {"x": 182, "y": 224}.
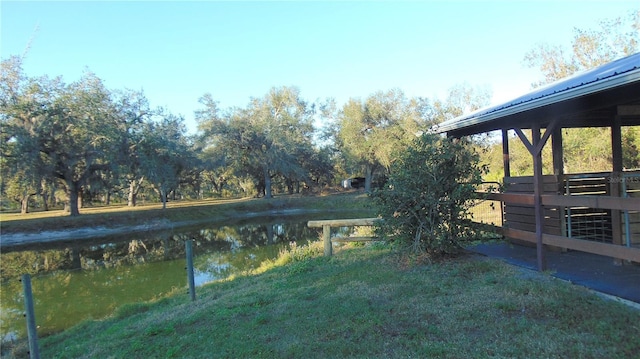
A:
{"x": 365, "y": 302}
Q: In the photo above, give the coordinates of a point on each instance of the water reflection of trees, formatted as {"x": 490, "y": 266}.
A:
{"x": 149, "y": 247}
{"x": 157, "y": 260}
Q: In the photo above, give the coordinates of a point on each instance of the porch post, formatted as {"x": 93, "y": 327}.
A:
{"x": 535, "y": 148}
{"x": 557, "y": 153}
{"x": 537, "y": 193}
{"x": 505, "y": 152}
{"x": 614, "y": 183}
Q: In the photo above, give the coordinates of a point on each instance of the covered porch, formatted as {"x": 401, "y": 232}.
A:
{"x": 595, "y": 212}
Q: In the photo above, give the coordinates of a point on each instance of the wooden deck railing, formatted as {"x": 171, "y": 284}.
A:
{"x": 608, "y": 202}
{"x": 617, "y": 250}
{"x": 326, "y": 231}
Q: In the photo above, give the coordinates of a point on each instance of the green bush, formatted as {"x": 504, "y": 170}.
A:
{"x": 426, "y": 200}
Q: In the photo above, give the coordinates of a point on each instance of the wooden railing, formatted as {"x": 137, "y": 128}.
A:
{"x": 326, "y": 231}
{"x": 619, "y": 203}
{"x": 604, "y": 202}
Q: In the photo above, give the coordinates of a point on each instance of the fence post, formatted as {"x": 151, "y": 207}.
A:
{"x": 34, "y": 352}
{"x": 190, "y": 278}
{"x": 326, "y": 236}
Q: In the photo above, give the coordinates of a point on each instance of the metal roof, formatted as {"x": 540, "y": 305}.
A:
{"x": 608, "y": 76}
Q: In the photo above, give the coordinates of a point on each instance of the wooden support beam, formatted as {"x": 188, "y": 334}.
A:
{"x": 505, "y": 153}
{"x": 190, "y": 273}
{"x": 628, "y": 110}
{"x": 535, "y": 149}
{"x": 537, "y": 143}
{"x": 545, "y": 137}
{"x": 616, "y": 144}
{"x": 342, "y": 222}
{"x": 605, "y": 249}
{"x": 327, "y": 224}
{"x": 354, "y": 239}
{"x": 557, "y": 152}
{"x": 537, "y": 192}
{"x": 615, "y": 186}
{"x": 529, "y": 179}
{"x": 511, "y": 198}
{"x": 605, "y": 202}
{"x": 524, "y": 139}
{"x": 326, "y": 237}
{"x": 32, "y": 331}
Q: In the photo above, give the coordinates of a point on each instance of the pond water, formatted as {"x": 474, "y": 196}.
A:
{"x": 89, "y": 279}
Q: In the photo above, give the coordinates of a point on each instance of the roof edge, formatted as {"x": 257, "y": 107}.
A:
{"x": 509, "y": 108}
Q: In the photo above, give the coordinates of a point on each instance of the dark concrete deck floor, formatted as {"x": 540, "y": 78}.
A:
{"x": 589, "y": 270}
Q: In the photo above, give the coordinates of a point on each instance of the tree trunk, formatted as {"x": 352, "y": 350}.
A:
{"x": 163, "y": 198}
{"x": 45, "y": 201}
{"x": 132, "y": 198}
{"x": 134, "y": 188}
{"x": 51, "y": 197}
{"x": 81, "y": 197}
{"x": 267, "y": 184}
{"x": 214, "y": 183}
{"x": 44, "y": 194}
{"x": 73, "y": 189}
{"x": 24, "y": 204}
{"x": 368, "y": 178}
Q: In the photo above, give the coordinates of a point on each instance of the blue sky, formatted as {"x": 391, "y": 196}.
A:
{"x": 177, "y": 51}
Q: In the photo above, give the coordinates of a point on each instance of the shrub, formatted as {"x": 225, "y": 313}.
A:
{"x": 426, "y": 200}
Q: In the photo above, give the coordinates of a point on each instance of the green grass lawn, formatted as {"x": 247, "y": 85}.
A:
{"x": 365, "y": 302}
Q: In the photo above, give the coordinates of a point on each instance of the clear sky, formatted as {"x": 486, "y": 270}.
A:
{"x": 177, "y": 51}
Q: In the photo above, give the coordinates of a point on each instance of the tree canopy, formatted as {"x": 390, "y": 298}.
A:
{"x": 269, "y": 138}
{"x": 611, "y": 40}
{"x": 74, "y": 136}
{"x": 369, "y": 132}
{"x": 79, "y": 143}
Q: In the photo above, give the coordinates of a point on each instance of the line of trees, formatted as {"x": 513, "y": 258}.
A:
{"x": 79, "y": 143}
{"x": 74, "y": 143}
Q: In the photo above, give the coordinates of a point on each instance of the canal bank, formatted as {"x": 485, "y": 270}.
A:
{"x": 22, "y": 231}
{"x": 90, "y": 279}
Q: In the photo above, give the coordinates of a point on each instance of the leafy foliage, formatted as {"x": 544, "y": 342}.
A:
{"x": 614, "y": 39}
{"x": 429, "y": 193}
{"x": 369, "y": 131}
{"x": 83, "y": 138}
{"x": 584, "y": 149}
{"x": 269, "y": 139}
